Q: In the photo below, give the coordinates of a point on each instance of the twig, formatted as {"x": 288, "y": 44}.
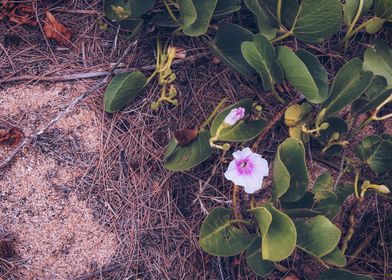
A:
{"x": 68, "y": 109}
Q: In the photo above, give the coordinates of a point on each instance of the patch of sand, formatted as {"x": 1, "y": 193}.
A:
{"x": 57, "y": 236}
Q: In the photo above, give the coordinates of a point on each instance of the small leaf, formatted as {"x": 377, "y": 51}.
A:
{"x": 323, "y": 183}
{"x": 336, "y": 258}
{"x": 331, "y": 206}
{"x": 341, "y": 274}
{"x": 290, "y": 172}
{"x": 253, "y": 259}
{"x": 260, "y": 54}
{"x": 297, "y": 114}
{"x": 196, "y": 15}
{"x": 374, "y": 96}
{"x": 350, "y": 83}
{"x": 132, "y": 8}
{"x": 379, "y": 60}
{"x": 227, "y": 47}
{"x": 376, "y": 152}
{"x": 278, "y": 233}
{"x": 336, "y": 125}
{"x": 266, "y": 23}
{"x": 375, "y": 26}
{"x": 242, "y": 131}
{"x": 224, "y": 7}
{"x": 122, "y": 89}
{"x": 305, "y": 72}
{"x": 318, "y": 20}
{"x": 182, "y": 158}
{"x": 317, "y": 236}
{"x": 219, "y": 236}
{"x": 350, "y": 8}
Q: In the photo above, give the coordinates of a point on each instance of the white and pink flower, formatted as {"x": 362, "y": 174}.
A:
{"x": 248, "y": 170}
{"x": 234, "y": 116}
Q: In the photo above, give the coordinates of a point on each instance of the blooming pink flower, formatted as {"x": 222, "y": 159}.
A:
{"x": 234, "y": 116}
{"x": 247, "y": 169}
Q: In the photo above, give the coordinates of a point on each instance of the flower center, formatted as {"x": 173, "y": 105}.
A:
{"x": 243, "y": 164}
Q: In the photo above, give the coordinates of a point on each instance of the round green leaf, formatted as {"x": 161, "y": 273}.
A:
{"x": 317, "y": 20}
{"x": 290, "y": 172}
{"x": 323, "y": 183}
{"x": 260, "y": 54}
{"x": 181, "y": 158}
{"x": 224, "y": 7}
{"x": 330, "y": 205}
{"x": 278, "y": 234}
{"x": 375, "y": 26}
{"x": 336, "y": 258}
{"x": 253, "y": 259}
{"x": 349, "y": 84}
{"x": 378, "y": 59}
{"x": 122, "y": 89}
{"x": 266, "y": 23}
{"x": 196, "y": 15}
{"x": 219, "y": 236}
{"x": 227, "y": 46}
{"x": 317, "y": 236}
{"x": 305, "y": 72}
{"x": 341, "y": 274}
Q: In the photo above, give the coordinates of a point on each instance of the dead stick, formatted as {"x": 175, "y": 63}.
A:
{"x": 69, "y": 108}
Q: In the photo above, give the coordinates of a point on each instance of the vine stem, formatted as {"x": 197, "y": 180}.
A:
{"x": 213, "y": 114}
{"x": 351, "y": 229}
{"x": 277, "y": 96}
{"x": 279, "y": 13}
{"x": 356, "y": 30}
{"x": 355, "y": 20}
{"x": 237, "y": 215}
{"x": 282, "y": 37}
{"x": 169, "y": 10}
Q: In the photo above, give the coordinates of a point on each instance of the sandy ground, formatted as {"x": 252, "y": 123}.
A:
{"x": 57, "y": 236}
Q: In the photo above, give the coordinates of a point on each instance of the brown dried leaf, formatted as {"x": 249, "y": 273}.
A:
{"x": 11, "y": 137}
{"x": 185, "y": 136}
{"x": 23, "y": 14}
{"x": 56, "y": 30}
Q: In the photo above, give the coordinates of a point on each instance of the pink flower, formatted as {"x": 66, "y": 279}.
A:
{"x": 247, "y": 169}
{"x": 234, "y": 116}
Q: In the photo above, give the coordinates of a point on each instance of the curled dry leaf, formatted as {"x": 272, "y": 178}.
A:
{"x": 185, "y": 136}
{"x": 23, "y": 14}
{"x": 11, "y": 137}
{"x": 53, "y": 29}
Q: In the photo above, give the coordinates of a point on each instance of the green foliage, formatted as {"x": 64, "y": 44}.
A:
{"x": 305, "y": 72}
{"x": 336, "y": 258}
{"x": 260, "y": 54}
{"x": 122, "y": 9}
{"x": 323, "y": 183}
{"x": 290, "y": 172}
{"x": 196, "y": 15}
{"x": 378, "y": 59}
{"x": 219, "y": 236}
{"x": 266, "y": 23}
{"x": 341, "y": 274}
{"x": 123, "y": 89}
{"x": 224, "y": 7}
{"x": 383, "y": 9}
{"x": 350, "y": 8}
{"x": 254, "y": 260}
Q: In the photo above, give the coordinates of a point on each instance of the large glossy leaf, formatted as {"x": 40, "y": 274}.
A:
{"x": 336, "y": 258}
{"x": 181, "y": 158}
{"x": 224, "y": 7}
{"x": 132, "y": 8}
{"x": 341, "y": 274}
{"x": 243, "y": 130}
{"x": 278, "y": 234}
{"x": 254, "y": 260}
{"x": 350, "y": 83}
{"x": 122, "y": 89}
{"x": 220, "y": 237}
{"x": 374, "y": 96}
{"x": 290, "y": 172}
{"x": 350, "y": 8}
{"x": 260, "y": 54}
{"x": 304, "y": 72}
{"x": 317, "y": 20}
{"x": 266, "y": 23}
{"x": 383, "y": 9}
{"x": 196, "y": 15}
{"x": 378, "y": 59}
{"x": 227, "y": 46}
{"x": 376, "y": 151}
{"x": 317, "y": 236}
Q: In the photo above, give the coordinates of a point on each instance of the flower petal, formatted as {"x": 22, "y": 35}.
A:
{"x": 244, "y": 153}
{"x": 260, "y": 164}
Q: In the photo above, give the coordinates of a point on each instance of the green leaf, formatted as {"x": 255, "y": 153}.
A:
{"x": 375, "y": 25}
{"x": 253, "y": 259}
{"x": 301, "y": 213}
{"x": 378, "y": 59}
{"x": 243, "y": 130}
{"x": 374, "y": 96}
{"x": 306, "y": 201}
{"x": 297, "y": 115}
{"x": 383, "y": 9}
{"x": 330, "y": 206}
{"x": 350, "y": 8}
{"x": 278, "y": 234}
{"x": 304, "y": 72}
{"x": 266, "y": 23}
{"x": 133, "y": 8}
{"x": 336, "y": 125}
{"x": 181, "y": 158}
{"x": 227, "y": 46}
{"x": 323, "y": 183}
{"x": 317, "y": 20}
{"x": 376, "y": 152}
{"x": 336, "y": 258}
{"x": 260, "y": 54}
{"x": 290, "y": 172}
{"x": 122, "y": 89}
{"x": 196, "y": 15}
{"x": 219, "y": 236}
{"x": 350, "y": 83}
{"x": 289, "y": 10}
{"x": 341, "y": 274}
{"x": 132, "y": 26}
{"x": 317, "y": 236}
{"x": 224, "y": 7}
